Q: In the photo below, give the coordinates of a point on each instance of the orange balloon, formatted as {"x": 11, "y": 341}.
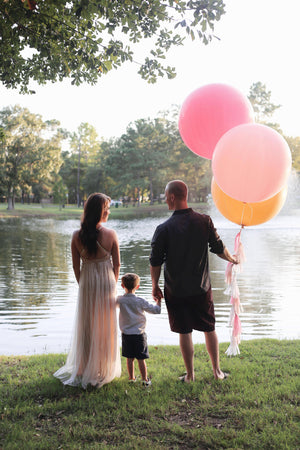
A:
{"x": 247, "y": 214}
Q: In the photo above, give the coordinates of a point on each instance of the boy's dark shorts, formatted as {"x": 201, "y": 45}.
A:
{"x": 191, "y": 313}
{"x": 135, "y": 346}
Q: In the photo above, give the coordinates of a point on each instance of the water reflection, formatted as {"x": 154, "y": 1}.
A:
{"x": 38, "y": 290}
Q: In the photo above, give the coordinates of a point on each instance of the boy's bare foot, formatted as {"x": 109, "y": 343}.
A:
{"x": 132, "y": 380}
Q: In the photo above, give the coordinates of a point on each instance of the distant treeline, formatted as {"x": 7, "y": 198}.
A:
{"x": 133, "y": 168}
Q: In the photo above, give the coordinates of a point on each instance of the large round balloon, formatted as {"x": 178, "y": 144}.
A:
{"x": 208, "y": 112}
{"x": 247, "y": 213}
{"x": 251, "y": 163}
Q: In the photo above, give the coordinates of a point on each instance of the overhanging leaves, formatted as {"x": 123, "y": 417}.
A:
{"x": 49, "y": 40}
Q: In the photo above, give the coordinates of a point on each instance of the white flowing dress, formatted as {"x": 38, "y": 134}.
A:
{"x": 94, "y": 356}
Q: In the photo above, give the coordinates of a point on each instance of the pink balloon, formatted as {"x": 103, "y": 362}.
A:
{"x": 208, "y": 112}
{"x": 251, "y": 163}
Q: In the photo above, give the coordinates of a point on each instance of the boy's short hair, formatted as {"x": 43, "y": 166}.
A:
{"x": 130, "y": 280}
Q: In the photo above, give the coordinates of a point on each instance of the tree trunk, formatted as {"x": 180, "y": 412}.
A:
{"x": 138, "y": 193}
{"x": 151, "y": 187}
{"x": 11, "y": 199}
{"x": 78, "y": 176}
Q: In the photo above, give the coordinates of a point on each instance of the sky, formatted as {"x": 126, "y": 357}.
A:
{"x": 259, "y": 41}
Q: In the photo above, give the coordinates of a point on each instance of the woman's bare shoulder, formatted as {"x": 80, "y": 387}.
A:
{"x": 113, "y": 235}
{"x": 75, "y": 236}
{"x": 109, "y": 237}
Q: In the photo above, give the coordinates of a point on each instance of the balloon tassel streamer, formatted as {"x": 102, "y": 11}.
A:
{"x": 231, "y": 280}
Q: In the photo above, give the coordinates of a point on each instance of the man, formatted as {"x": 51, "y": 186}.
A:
{"x": 181, "y": 243}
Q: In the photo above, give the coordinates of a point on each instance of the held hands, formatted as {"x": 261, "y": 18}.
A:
{"x": 157, "y": 294}
{"x": 158, "y": 301}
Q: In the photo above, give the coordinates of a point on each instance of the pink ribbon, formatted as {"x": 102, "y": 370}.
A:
{"x": 233, "y": 289}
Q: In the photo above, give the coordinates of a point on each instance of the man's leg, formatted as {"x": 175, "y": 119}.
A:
{"x": 187, "y": 351}
{"x": 212, "y": 345}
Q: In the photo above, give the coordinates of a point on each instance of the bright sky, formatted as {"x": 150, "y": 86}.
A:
{"x": 259, "y": 42}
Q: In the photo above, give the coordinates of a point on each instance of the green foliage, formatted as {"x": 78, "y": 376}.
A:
{"x": 260, "y": 99}
{"x": 135, "y": 166}
{"x": 152, "y": 153}
{"x": 143, "y": 151}
{"x": 59, "y": 191}
{"x": 256, "y": 407}
{"x": 30, "y": 150}
{"x": 52, "y": 40}
{"x": 85, "y": 148}
{"x": 294, "y": 144}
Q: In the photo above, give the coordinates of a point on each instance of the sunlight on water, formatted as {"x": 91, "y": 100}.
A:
{"x": 38, "y": 290}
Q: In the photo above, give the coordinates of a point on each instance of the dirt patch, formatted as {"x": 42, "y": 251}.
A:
{"x": 190, "y": 416}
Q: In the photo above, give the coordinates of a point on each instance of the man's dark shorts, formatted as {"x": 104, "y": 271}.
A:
{"x": 191, "y": 313}
{"x": 135, "y": 346}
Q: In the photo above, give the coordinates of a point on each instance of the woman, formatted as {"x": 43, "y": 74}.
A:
{"x": 94, "y": 356}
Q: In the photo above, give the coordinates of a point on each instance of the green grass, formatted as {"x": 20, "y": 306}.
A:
{"x": 72, "y": 212}
{"x": 255, "y": 408}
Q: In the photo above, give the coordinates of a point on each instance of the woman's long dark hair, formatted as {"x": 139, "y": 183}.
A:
{"x": 92, "y": 213}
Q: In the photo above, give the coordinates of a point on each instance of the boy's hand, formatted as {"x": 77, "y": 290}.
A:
{"x": 158, "y": 301}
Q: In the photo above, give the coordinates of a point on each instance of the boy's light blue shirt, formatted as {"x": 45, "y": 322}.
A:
{"x": 132, "y": 318}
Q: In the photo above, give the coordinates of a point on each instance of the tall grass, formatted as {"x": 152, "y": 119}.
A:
{"x": 255, "y": 408}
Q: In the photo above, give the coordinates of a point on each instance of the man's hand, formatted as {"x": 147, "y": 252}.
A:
{"x": 155, "y": 274}
{"x": 157, "y": 294}
{"x": 228, "y": 257}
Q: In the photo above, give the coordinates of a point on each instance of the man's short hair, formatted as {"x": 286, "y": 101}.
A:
{"x": 178, "y": 188}
{"x": 130, "y": 281}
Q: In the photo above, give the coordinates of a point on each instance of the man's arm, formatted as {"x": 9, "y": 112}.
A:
{"x": 228, "y": 256}
{"x": 156, "y": 291}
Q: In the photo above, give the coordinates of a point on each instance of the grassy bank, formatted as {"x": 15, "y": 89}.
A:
{"x": 72, "y": 212}
{"x": 255, "y": 408}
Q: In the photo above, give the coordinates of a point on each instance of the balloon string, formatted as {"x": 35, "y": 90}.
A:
{"x": 243, "y": 212}
{"x": 251, "y": 208}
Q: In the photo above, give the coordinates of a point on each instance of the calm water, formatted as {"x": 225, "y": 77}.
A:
{"x": 38, "y": 290}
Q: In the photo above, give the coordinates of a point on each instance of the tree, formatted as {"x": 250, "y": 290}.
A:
{"x": 85, "y": 144}
{"x": 51, "y": 40}
{"x": 143, "y": 151}
{"x": 294, "y": 144}
{"x": 69, "y": 172}
{"x": 26, "y": 156}
{"x": 59, "y": 191}
{"x": 183, "y": 163}
{"x": 260, "y": 99}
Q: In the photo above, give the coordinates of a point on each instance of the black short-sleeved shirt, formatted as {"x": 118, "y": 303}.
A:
{"x": 181, "y": 243}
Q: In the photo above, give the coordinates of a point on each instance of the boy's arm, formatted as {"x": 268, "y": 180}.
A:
{"x": 148, "y": 307}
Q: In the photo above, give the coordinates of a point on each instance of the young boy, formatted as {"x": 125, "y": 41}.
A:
{"x": 132, "y": 322}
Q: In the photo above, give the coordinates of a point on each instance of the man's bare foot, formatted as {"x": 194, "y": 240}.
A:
{"x": 185, "y": 379}
{"x": 219, "y": 375}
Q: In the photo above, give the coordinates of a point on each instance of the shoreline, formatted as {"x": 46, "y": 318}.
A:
{"x": 73, "y": 212}
{"x": 242, "y": 344}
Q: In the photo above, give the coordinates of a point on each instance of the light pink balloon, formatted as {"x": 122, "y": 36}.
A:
{"x": 208, "y": 112}
{"x": 251, "y": 163}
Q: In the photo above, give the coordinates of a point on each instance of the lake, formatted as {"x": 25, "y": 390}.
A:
{"x": 38, "y": 290}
